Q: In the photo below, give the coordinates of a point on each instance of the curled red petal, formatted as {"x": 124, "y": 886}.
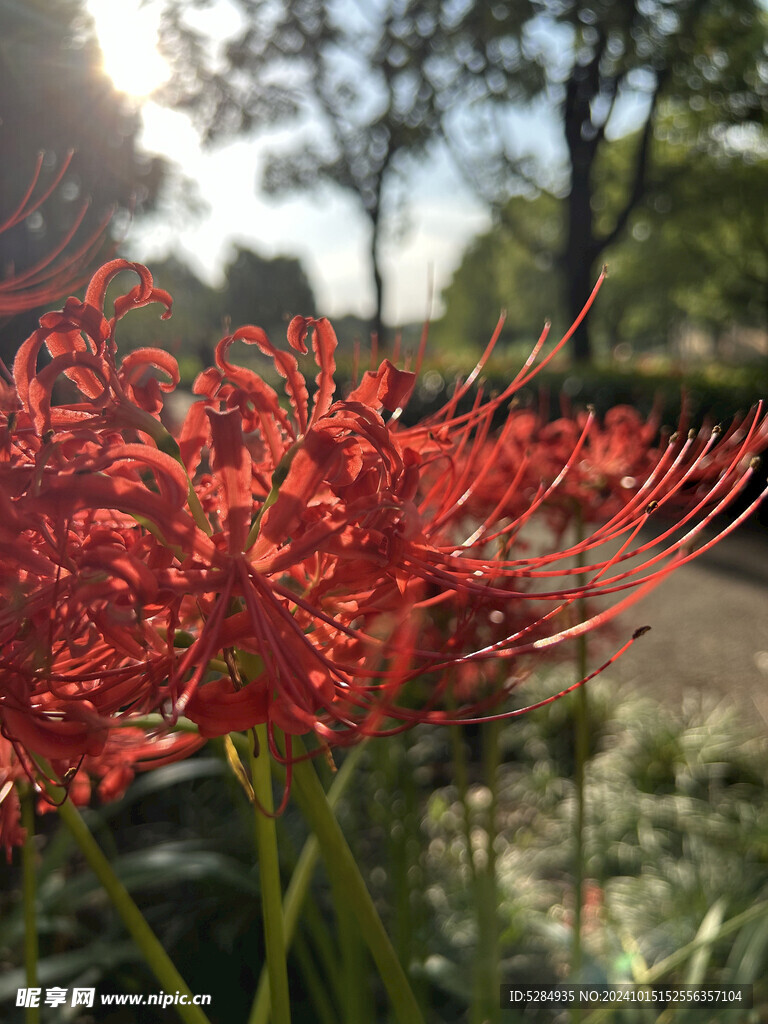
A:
{"x": 388, "y": 388}
{"x": 232, "y": 466}
{"x": 218, "y": 708}
{"x": 97, "y": 288}
{"x": 142, "y": 386}
{"x": 316, "y": 459}
{"x": 72, "y": 364}
{"x": 324, "y": 345}
{"x": 285, "y": 364}
{"x": 54, "y": 737}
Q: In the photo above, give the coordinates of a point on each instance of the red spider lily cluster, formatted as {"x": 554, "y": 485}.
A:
{"x": 312, "y": 564}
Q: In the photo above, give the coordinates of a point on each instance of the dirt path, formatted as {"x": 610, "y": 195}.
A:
{"x": 709, "y": 625}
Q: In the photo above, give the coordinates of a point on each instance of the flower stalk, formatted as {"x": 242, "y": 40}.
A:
{"x": 341, "y": 865}
{"x": 29, "y": 893}
{"x": 269, "y": 872}
{"x": 298, "y": 886}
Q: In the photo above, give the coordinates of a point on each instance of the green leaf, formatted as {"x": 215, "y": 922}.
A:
{"x": 708, "y": 930}
{"x": 161, "y": 867}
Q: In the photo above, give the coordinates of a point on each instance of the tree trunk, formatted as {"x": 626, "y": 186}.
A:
{"x": 579, "y": 255}
{"x": 377, "y": 323}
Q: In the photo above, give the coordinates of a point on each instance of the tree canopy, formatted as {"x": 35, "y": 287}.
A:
{"x": 601, "y": 65}
{"x": 364, "y": 88}
{"x": 264, "y": 291}
{"x": 695, "y": 252}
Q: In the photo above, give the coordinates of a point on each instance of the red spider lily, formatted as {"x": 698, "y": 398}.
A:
{"x": 312, "y": 566}
{"x": 615, "y": 458}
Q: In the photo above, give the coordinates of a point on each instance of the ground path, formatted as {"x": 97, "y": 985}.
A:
{"x": 709, "y": 624}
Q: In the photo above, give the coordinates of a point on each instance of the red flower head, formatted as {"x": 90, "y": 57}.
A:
{"x": 294, "y": 565}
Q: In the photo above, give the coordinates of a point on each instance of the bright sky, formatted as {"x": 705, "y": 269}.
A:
{"x": 325, "y": 230}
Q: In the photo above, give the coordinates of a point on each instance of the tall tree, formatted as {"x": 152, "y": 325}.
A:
{"x": 694, "y": 252}
{"x": 595, "y": 62}
{"x": 55, "y": 98}
{"x": 348, "y": 78}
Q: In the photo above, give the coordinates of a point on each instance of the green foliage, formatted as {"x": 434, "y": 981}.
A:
{"x": 600, "y": 68}
{"x": 365, "y": 91}
{"x": 677, "y": 811}
{"x": 696, "y": 243}
{"x": 512, "y": 268}
{"x": 349, "y": 84}
{"x": 676, "y": 846}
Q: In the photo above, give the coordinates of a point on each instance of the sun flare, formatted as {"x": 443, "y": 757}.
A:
{"x": 127, "y": 34}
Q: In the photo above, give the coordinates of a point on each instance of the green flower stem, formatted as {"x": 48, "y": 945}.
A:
{"x": 340, "y": 863}
{"x": 485, "y": 1005}
{"x": 132, "y": 918}
{"x": 353, "y": 956}
{"x": 278, "y": 477}
{"x": 301, "y": 878}
{"x": 166, "y": 442}
{"x": 462, "y": 787}
{"x": 29, "y": 892}
{"x": 156, "y": 721}
{"x": 269, "y": 871}
{"x": 487, "y": 968}
{"x": 581, "y": 756}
